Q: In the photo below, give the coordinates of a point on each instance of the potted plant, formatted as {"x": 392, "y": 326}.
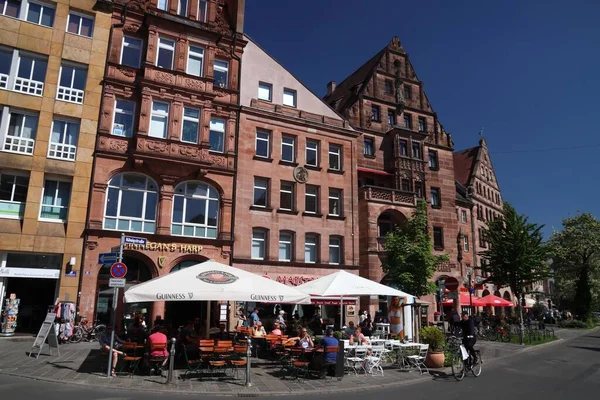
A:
{"x": 436, "y": 316}
{"x": 434, "y": 337}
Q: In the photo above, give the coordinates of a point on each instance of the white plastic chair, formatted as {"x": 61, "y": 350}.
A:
{"x": 356, "y": 361}
{"x": 418, "y": 360}
{"x": 373, "y": 361}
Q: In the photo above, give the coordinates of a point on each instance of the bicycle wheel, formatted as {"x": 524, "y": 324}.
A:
{"x": 492, "y": 335}
{"x": 505, "y": 336}
{"x": 476, "y": 370}
{"x": 77, "y": 335}
{"x": 458, "y": 366}
{"x": 98, "y": 331}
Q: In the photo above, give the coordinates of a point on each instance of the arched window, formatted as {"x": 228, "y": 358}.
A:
{"x": 131, "y": 203}
{"x": 195, "y": 210}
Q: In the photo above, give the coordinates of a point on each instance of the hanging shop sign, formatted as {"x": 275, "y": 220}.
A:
{"x": 11, "y": 272}
{"x": 166, "y": 247}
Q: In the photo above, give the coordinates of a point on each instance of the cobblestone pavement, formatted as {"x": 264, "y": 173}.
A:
{"x": 83, "y": 364}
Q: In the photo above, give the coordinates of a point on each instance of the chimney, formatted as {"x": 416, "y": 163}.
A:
{"x": 330, "y": 87}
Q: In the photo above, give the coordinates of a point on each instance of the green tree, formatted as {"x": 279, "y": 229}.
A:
{"x": 576, "y": 263}
{"x": 516, "y": 256}
{"x": 409, "y": 260}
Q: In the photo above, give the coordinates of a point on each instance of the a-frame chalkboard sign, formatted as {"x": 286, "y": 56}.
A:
{"x": 47, "y": 331}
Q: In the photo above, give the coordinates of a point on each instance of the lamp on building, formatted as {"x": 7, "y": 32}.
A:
{"x": 72, "y": 261}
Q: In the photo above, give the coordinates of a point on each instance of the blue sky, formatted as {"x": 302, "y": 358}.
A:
{"x": 526, "y": 71}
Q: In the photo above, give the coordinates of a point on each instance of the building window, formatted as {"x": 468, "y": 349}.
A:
{"x": 123, "y": 118}
{"x": 435, "y": 197}
{"x": 165, "y": 53}
{"x": 195, "y": 60}
{"x": 217, "y": 135}
{"x": 131, "y": 204}
{"x": 30, "y": 72}
{"x": 408, "y": 121}
{"x": 312, "y": 153}
{"x": 263, "y": 147}
{"x": 71, "y": 86}
{"x": 311, "y": 199}
{"x": 13, "y": 195}
{"x": 419, "y": 189}
{"x": 375, "y": 113}
{"x": 202, "y": 7}
{"x": 406, "y": 185}
{"x": 285, "y": 246}
{"x": 261, "y": 192}
{"x": 159, "y": 120}
{"x": 288, "y": 148}
{"x": 195, "y": 210}
{"x": 407, "y": 92}
{"x": 335, "y": 157}
{"x": 389, "y": 87}
{"x": 369, "y": 147}
{"x": 163, "y": 5}
{"x": 190, "y": 125}
{"x": 465, "y": 243}
{"x": 63, "y": 140}
{"x": 335, "y": 250}
{"x": 422, "y": 124}
{"x": 80, "y": 24}
{"x": 182, "y": 7}
{"x": 10, "y": 8}
{"x": 416, "y": 150}
{"x": 39, "y": 13}
{"x": 221, "y": 74}
{"x": 55, "y": 201}
{"x": 391, "y": 115}
{"x": 433, "y": 160}
{"x": 335, "y": 202}
{"x": 259, "y": 240}
{"x": 403, "y": 147}
{"x": 21, "y": 131}
{"x": 463, "y": 216}
{"x": 131, "y": 52}
{"x": 438, "y": 238}
{"x": 289, "y": 97}
{"x": 311, "y": 248}
{"x": 265, "y": 91}
{"x": 286, "y": 196}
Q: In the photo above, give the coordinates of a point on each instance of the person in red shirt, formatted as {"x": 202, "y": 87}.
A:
{"x": 157, "y": 337}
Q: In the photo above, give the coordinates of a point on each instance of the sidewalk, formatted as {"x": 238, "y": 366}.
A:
{"x": 83, "y": 363}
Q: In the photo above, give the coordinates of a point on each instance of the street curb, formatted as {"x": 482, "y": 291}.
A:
{"x": 253, "y": 392}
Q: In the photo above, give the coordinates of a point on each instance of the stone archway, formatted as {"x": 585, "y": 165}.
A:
{"x": 389, "y": 220}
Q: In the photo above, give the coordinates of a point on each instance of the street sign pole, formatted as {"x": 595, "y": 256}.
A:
{"x": 114, "y": 314}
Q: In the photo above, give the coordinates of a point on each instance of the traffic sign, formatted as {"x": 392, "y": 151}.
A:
{"x": 107, "y": 258}
{"x": 135, "y": 240}
{"x": 451, "y": 283}
{"x": 118, "y": 270}
{"x": 116, "y": 282}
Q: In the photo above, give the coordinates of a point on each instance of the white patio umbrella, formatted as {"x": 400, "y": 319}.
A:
{"x": 212, "y": 280}
{"x": 343, "y": 284}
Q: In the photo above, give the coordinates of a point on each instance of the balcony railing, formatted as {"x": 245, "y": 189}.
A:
{"x": 21, "y": 145}
{"x": 29, "y": 86}
{"x": 62, "y": 151}
{"x": 389, "y": 196}
{"x": 69, "y": 94}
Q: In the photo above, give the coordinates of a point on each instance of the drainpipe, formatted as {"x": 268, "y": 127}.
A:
{"x": 237, "y": 130}
{"x": 85, "y": 235}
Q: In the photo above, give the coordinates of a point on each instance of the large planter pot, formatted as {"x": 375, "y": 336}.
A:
{"x": 434, "y": 359}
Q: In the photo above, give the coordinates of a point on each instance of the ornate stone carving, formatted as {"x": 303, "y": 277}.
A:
{"x": 115, "y": 144}
{"x": 126, "y": 71}
{"x": 164, "y": 77}
{"x": 222, "y": 53}
{"x": 193, "y": 84}
{"x": 300, "y": 174}
{"x": 221, "y": 25}
{"x": 132, "y": 28}
{"x": 91, "y": 244}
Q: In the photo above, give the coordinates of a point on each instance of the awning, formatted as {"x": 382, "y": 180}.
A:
{"x": 373, "y": 171}
{"x": 332, "y": 301}
{"x": 465, "y": 300}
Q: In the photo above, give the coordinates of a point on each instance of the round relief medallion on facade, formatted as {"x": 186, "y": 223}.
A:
{"x": 301, "y": 174}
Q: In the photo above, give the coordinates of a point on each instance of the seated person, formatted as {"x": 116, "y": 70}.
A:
{"x": 187, "y": 336}
{"x": 276, "y": 329}
{"x": 350, "y": 329}
{"x": 222, "y": 334}
{"x": 258, "y": 330}
{"x": 358, "y": 337}
{"x": 303, "y": 340}
{"x": 157, "y": 337}
{"x": 330, "y": 358}
{"x": 105, "y": 347}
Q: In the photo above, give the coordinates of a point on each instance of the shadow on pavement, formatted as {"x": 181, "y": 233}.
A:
{"x": 586, "y": 348}
{"x": 441, "y": 376}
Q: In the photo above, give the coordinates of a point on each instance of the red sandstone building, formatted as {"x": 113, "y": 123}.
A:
{"x": 164, "y": 163}
{"x": 296, "y": 202}
{"x": 404, "y": 155}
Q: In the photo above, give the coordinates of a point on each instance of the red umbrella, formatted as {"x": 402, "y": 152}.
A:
{"x": 495, "y": 301}
{"x": 465, "y": 301}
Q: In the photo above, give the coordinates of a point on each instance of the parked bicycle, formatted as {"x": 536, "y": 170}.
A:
{"x": 461, "y": 366}
{"x": 84, "y": 331}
